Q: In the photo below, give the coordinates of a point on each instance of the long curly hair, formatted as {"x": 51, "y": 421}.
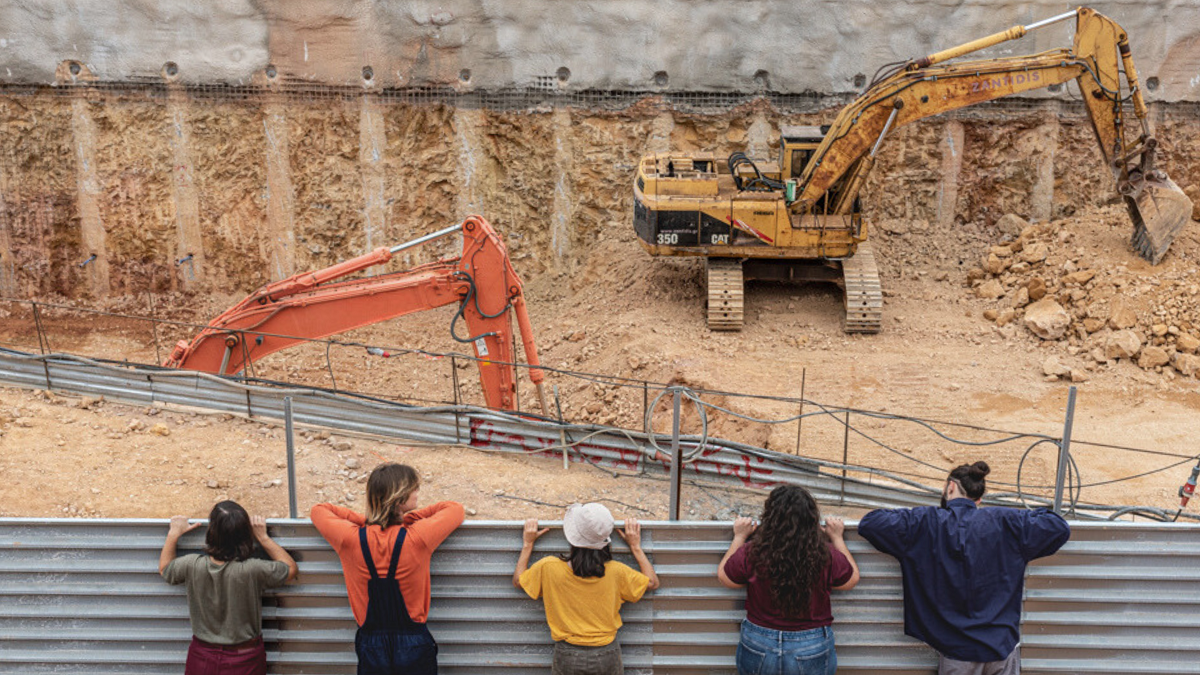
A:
{"x": 790, "y": 548}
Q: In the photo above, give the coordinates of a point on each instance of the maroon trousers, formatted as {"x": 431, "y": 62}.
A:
{"x": 208, "y": 659}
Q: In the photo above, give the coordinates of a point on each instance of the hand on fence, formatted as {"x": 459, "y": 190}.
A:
{"x": 532, "y": 533}
{"x": 632, "y": 534}
{"x": 834, "y": 527}
{"x": 259, "y": 525}
{"x": 180, "y": 526}
{"x": 744, "y": 527}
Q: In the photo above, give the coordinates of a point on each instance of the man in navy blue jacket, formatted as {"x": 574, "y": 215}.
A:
{"x": 964, "y": 571}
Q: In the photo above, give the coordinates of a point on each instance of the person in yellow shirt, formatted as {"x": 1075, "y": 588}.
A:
{"x": 583, "y": 590}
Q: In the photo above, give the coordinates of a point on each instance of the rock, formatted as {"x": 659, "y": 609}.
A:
{"x": 213, "y": 485}
{"x": 353, "y": 463}
{"x": 135, "y": 425}
{"x": 1036, "y": 288}
{"x": 993, "y": 264}
{"x": 1006, "y": 316}
{"x": 990, "y": 290}
{"x": 1122, "y": 344}
{"x": 469, "y": 511}
{"x": 1052, "y": 367}
{"x": 1121, "y": 314}
{"x": 1186, "y": 364}
{"x": 24, "y": 422}
{"x": 87, "y": 403}
{"x": 1002, "y": 251}
{"x": 577, "y": 336}
{"x": 1185, "y": 342}
{"x": 160, "y": 429}
{"x": 1012, "y": 224}
{"x": 1159, "y": 329}
{"x": 1153, "y": 357}
{"x": 1035, "y": 253}
{"x": 272, "y": 483}
{"x": 991, "y": 314}
{"x": 343, "y": 446}
{"x": 975, "y": 274}
{"x": 1021, "y": 298}
{"x": 1093, "y": 325}
{"x": 893, "y": 226}
{"x": 1098, "y": 356}
{"x": 322, "y": 435}
{"x": 1079, "y": 278}
{"x": 1047, "y": 319}
{"x": 1079, "y": 375}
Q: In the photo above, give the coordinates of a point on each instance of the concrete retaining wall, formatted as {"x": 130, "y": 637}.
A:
{"x": 670, "y": 45}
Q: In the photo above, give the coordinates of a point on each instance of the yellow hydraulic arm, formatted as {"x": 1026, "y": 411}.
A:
{"x": 917, "y": 89}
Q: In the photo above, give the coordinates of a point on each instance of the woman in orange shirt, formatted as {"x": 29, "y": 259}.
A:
{"x": 397, "y": 537}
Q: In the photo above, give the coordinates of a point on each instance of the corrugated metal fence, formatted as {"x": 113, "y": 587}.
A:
{"x": 84, "y": 596}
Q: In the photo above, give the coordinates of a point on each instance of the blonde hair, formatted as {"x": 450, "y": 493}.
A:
{"x": 389, "y": 486}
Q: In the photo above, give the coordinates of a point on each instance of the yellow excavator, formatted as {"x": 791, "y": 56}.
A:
{"x": 800, "y": 219}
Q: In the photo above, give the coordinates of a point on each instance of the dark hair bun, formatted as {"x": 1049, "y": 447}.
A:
{"x": 979, "y": 470}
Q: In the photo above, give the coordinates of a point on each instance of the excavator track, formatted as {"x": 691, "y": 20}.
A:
{"x": 864, "y": 296}
{"x": 725, "y": 295}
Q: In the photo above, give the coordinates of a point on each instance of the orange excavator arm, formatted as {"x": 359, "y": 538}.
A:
{"x": 314, "y": 305}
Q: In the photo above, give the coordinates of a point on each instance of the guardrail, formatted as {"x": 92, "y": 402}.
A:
{"x": 719, "y": 461}
{"x": 84, "y": 596}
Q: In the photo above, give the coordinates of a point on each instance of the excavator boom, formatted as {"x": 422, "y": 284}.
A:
{"x": 929, "y": 86}
{"x": 314, "y": 305}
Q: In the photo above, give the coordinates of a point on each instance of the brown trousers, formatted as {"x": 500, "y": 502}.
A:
{"x": 572, "y": 659}
{"x": 1009, "y": 666}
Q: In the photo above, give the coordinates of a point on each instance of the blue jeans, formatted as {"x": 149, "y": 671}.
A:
{"x": 763, "y": 651}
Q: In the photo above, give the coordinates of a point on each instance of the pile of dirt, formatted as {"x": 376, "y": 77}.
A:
{"x": 1076, "y": 283}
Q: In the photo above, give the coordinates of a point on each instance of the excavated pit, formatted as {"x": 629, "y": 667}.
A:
{"x": 256, "y": 187}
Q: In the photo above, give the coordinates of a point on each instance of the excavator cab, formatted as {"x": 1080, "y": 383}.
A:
{"x": 796, "y": 146}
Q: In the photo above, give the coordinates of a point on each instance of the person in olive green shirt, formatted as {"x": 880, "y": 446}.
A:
{"x": 584, "y": 590}
{"x": 224, "y": 589}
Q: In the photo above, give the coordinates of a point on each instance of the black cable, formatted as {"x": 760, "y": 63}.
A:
{"x": 759, "y": 183}
{"x": 329, "y": 365}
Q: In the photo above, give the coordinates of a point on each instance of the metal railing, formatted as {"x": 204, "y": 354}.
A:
{"x": 84, "y": 596}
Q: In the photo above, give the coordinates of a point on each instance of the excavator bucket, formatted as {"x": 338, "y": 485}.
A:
{"x": 1159, "y": 211}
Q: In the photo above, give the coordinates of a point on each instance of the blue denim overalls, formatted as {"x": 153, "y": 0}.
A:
{"x": 389, "y": 642}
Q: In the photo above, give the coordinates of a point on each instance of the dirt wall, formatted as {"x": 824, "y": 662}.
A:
{"x": 279, "y": 185}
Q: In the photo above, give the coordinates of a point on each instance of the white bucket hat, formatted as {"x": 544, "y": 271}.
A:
{"x": 588, "y": 525}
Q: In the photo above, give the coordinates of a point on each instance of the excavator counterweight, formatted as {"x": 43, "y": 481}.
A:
{"x": 314, "y": 305}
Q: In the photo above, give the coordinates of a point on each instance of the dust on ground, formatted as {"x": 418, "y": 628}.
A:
{"x": 72, "y": 456}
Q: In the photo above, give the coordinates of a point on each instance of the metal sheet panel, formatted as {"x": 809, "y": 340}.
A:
{"x": 84, "y": 596}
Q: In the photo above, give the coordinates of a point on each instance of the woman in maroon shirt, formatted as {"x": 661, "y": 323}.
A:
{"x": 788, "y": 565}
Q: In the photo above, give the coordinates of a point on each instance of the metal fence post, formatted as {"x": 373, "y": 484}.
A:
{"x": 37, "y": 323}
{"x": 291, "y": 455}
{"x": 42, "y": 346}
{"x": 800, "y": 418}
{"x": 1064, "y": 451}
{"x": 454, "y": 397}
{"x": 845, "y": 457}
{"x": 516, "y": 370}
{"x": 562, "y": 429}
{"x": 676, "y": 457}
